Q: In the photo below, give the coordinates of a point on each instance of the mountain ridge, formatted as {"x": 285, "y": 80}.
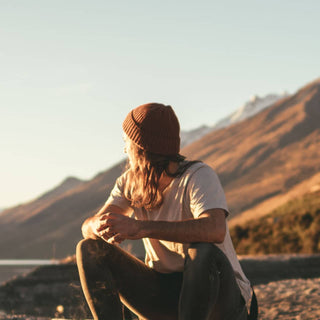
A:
{"x": 249, "y": 109}
{"x": 255, "y": 105}
{"x": 253, "y": 142}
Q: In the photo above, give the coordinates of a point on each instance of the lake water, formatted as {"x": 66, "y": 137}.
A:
{"x": 12, "y": 268}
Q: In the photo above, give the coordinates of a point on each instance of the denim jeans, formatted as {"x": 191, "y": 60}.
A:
{"x": 205, "y": 290}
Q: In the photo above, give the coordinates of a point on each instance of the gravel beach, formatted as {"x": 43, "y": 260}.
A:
{"x": 294, "y": 299}
{"x": 287, "y": 287}
{"x": 289, "y": 299}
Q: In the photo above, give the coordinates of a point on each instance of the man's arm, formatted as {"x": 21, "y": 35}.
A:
{"x": 93, "y": 225}
{"x": 209, "y": 227}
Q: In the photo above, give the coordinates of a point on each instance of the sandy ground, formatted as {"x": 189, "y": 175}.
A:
{"x": 289, "y": 299}
{"x": 296, "y": 299}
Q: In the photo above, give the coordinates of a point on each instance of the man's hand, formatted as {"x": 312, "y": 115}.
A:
{"x": 114, "y": 228}
{"x": 92, "y": 226}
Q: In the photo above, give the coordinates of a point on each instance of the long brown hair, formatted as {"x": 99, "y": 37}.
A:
{"x": 143, "y": 176}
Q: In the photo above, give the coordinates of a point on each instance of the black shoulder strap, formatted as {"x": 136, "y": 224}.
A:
{"x": 254, "y": 309}
{"x": 184, "y": 166}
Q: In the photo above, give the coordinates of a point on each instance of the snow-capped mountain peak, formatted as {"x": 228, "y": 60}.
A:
{"x": 248, "y": 109}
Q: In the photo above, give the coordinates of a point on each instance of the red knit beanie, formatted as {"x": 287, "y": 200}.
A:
{"x": 154, "y": 127}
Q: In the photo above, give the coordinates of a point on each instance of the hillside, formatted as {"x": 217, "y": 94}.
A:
{"x": 262, "y": 159}
{"x": 25, "y": 211}
{"x": 292, "y": 228}
{"x": 51, "y": 224}
{"x": 263, "y": 162}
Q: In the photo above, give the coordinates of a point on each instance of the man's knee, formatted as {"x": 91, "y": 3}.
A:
{"x": 86, "y": 246}
{"x": 202, "y": 252}
{"x": 93, "y": 249}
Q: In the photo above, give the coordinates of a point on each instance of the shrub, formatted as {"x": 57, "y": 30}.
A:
{"x": 292, "y": 228}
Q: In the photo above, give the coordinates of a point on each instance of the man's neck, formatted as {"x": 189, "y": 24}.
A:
{"x": 165, "y": 180}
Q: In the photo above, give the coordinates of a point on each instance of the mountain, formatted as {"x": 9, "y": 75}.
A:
{"x": 250, "y": 108}
{"x": 262, "y": 161}
{"x": 23, "y": 212}
{"x": 50, "y": 225}
{"x": 187, "y": 137}
{"x": 269, "y": 158}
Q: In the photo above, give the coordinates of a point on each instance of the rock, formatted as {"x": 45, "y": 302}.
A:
{"x": 42, "y": 290}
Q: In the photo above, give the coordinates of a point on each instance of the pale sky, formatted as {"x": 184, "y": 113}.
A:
{"x": 71, "y": 70}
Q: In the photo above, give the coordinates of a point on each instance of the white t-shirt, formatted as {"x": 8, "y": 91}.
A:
{"x": 197, "y": 190}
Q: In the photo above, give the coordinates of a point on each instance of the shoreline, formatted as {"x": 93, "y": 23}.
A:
{"x": 28, "y": 262}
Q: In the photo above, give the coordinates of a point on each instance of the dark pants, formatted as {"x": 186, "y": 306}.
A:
{"x": 205, "y": 290}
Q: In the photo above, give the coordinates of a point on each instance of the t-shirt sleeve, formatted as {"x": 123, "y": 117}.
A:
{"x": 116, "y": 196}
{"x": 205, "y": 191}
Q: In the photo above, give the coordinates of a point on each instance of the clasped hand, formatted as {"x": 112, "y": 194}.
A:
{"x": 114, "y": 227}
